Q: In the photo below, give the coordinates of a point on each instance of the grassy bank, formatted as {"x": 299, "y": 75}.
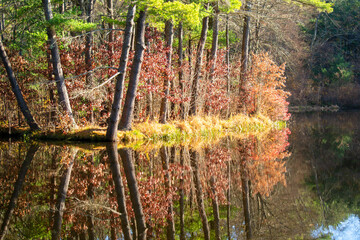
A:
{"x": 196, "y": 129}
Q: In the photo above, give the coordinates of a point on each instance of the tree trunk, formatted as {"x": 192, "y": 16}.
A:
{"x": 119, "y": 189}
{"x": 227, "y": 57}
{"x": 215, "y": 205}
{"x": 181, "y": 72}
{"x": 126, "y": 156}
{"x": 16, "y": 90}
{"x": 60, "y": 202}
{"x": 245, "y": 197}
{"x": 197, "y": 71}
{"x": 88, "y": 44}
{"x": 169, "y": 36}
{"x": 128, "y": 111}
{"x": 199, "y": 193}
{"x": 181, "y": 200}
{"x": 170, "y": 230}
{"x": 90, "y": 195}
{"x": 58, "y": 72}
{"x": 228, "y": 196}
{"x": 111, "y": 132}
{"x": 110, "y": 12}
{"x": 245, "y": 51}
{"x": 17, "y": 189}
{"x": 213, "y": 53}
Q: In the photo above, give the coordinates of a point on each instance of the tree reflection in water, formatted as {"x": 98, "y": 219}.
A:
{"x": 165, "y": 193}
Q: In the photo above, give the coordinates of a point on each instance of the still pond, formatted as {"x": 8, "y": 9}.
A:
{"x": 296, "y": 183}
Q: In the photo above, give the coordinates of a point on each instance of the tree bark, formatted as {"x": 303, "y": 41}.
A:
{"x": 16, "y": 90}
{"x": 60, "y": 202}
{"x": 126, "y": 156}
{"x": 228, "y": 196}
{"x": 17, "y": 189}
{"x": 170, "y": 230}
{"x": 110, "y": 12}
{"x": 227, "y": 56}
{"x": 197, "y": 71}
{"x": 181, "y": 200}
{"x": 128, "y": 111}
{"x": 215, "y": 205}
{"x": 111, "y": 132}
{"x": 169, "y": 36}
{"x": 245, "y": 197}
{"x": 214, "y": 49}
{"x": 245, "y": 51}
{"x": 181, "y": 72}
{"x": 57, "y": 68}
{"x": 90, "y": 195}
{"x": 199, "y": 193}
{"x": 119, "y": 189}
{"x": 88, "y": 44}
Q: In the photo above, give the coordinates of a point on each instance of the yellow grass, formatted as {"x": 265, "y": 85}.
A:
{"x": 196, "y": 130}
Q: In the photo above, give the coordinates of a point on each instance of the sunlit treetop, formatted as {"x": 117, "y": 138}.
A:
{"x": 321, "y": 6}
{"x": 67, "y": 22}
{"x": 190, "y": 14}
{"x": 229, "y": 5}
{"x": 159, "y": 11}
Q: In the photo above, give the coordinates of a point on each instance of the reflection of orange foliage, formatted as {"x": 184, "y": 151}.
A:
{"x": 216, "y": 166}
{"x": 263, "y": 161}
{"x": 155, "y": 197}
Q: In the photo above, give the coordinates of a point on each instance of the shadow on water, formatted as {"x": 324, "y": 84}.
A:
{"x": 250, "y": 188}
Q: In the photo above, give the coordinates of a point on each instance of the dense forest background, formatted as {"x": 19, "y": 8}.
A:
{"x": 73, "y": 60}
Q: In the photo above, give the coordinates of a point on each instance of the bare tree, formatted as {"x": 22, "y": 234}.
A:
{"x": 16, "y": 89}
{"x": 197, "y": 71}
{"x": 128, "y": 111}
{"x": 115, "y": 110}
{"x": 55, "y": 56}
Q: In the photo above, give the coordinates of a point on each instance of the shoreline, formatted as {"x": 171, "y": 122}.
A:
{"x": 195, "y": 129}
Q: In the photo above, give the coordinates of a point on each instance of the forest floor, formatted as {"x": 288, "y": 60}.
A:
{"x": 206, "y": 129}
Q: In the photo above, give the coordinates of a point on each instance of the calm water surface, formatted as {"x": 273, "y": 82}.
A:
{"x": 303, "y": 185}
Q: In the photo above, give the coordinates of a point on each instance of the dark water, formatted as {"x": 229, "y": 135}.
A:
{"x": 302, "y": 185}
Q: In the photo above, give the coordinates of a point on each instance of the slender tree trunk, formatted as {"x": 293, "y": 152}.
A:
{"x": 169, "y": 36}
{"x": 60, "y": 202}
{"x": 110, "y": 12}
{"x": 88, "y": 53}
{"x": 55, "y": 56}
{"x": 126, "y": 156}
{"x": 17, "y": 189}
{"x": 227, "y": 56}
{"x": 215, "y": 205}
{"x": 197, "y": 71}
{"x": 2, "y": 24}
{"x": 181, "y": 72}
{"x": 62, "y": 7}
{"x": 16, "y": 90}
{"x": 228, "y": 193}
{"x": 227, "y": 61}
{"x": 170, "y": 230}
{"x": 199, "y": 193}
{"x": 214, "y": 49}
{"x": 88, "y": 44}
{"x": 52, "y": 112}
{"x": 245, "y": 197}
{"x": 128, "y": 111}
{"x": 245, "y": 51}
{"x": 90, "y": 195}
{"x": 181, "y": 189}
{"x": 111, "y": 132}
{"x": 119, "y": 189}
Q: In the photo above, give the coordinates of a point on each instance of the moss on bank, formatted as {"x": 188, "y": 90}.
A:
{"x": 196, "y": 129}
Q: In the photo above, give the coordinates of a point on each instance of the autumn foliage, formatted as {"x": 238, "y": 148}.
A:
{"x": 91, "y": 102}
